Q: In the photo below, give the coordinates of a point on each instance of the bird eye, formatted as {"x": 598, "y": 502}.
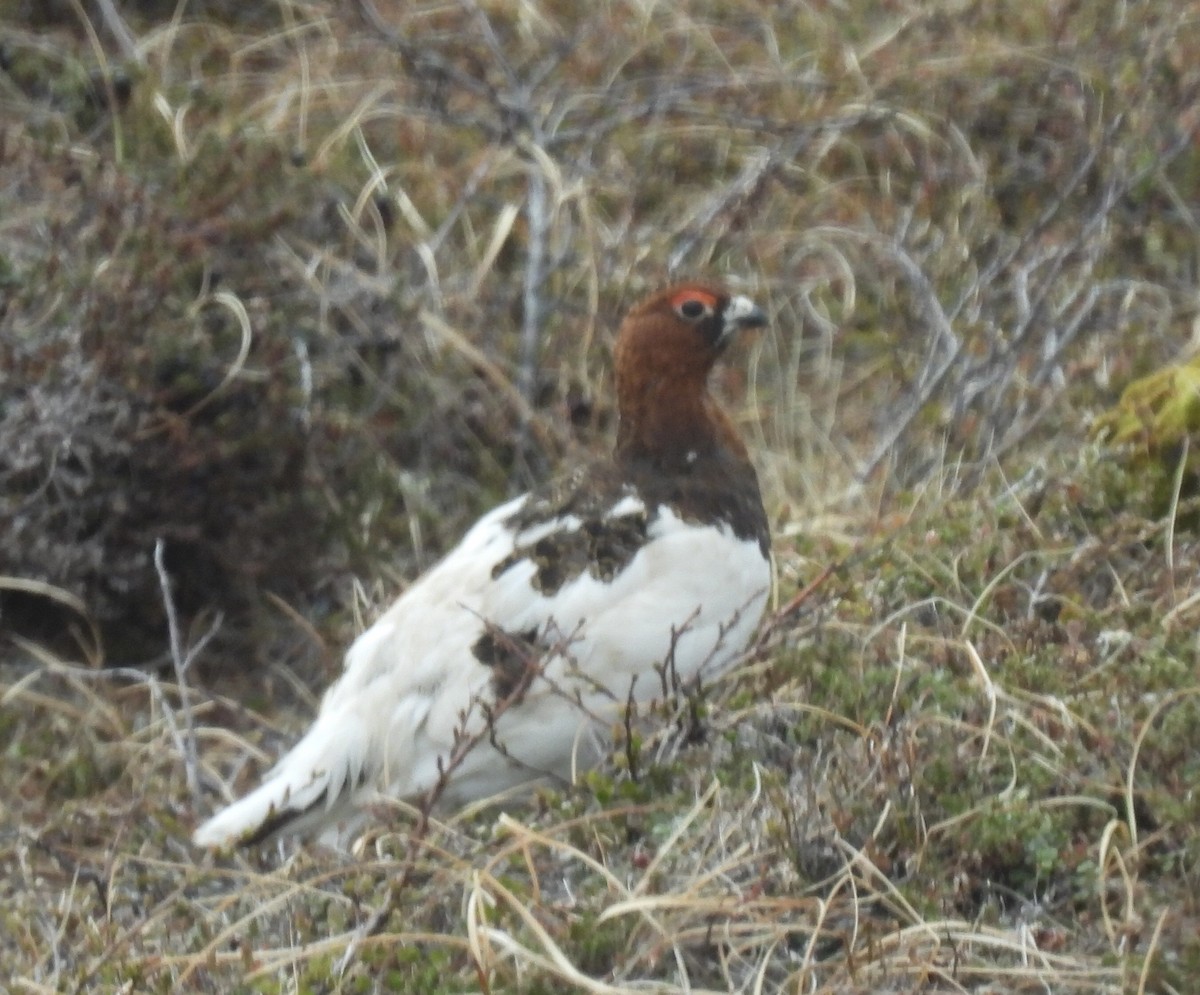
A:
{"x": 692, "y": 309}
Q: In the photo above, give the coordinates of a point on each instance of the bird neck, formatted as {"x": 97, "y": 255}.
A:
{"x": 673, "y": 424}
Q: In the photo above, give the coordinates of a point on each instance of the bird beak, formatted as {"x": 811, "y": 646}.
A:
{"x": 741, "y": 312}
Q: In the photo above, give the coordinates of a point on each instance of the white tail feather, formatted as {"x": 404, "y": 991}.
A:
{"x": 312, "y": 787}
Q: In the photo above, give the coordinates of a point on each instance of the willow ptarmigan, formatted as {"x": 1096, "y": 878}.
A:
{"x": 507, "y": 662}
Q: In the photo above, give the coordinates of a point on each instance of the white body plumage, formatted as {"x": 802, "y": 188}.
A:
{"x": 414, "y": 685}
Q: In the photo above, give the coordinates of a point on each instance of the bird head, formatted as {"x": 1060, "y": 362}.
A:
{"x": 665, "y": 351}
{"x": 688, "y": 323}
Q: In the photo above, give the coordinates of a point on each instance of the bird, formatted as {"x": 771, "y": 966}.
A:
{"x": 505, "y": 665}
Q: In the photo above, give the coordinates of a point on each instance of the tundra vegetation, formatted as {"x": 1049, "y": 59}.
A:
{"x": 291, "y": 292}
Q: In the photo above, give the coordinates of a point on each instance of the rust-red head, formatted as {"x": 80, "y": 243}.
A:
{"x": 665, "y": 350}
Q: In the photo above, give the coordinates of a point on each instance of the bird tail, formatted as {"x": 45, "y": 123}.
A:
{"x": 312, "y": 788}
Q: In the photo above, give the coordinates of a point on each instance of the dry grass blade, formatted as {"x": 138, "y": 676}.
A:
{"x": 93, "y": 653}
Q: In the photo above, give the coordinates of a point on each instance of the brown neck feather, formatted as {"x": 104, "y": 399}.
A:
{"x": 666, "y": 415}
{"x": 675, "y": 446}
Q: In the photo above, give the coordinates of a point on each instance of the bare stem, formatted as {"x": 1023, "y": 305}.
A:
{"x": 181, "y": 662}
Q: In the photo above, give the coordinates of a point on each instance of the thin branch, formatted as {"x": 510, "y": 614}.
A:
{"x": 182, "y": 662}
{"x": 120, "y": 31}
{"x": 538, "y": 214}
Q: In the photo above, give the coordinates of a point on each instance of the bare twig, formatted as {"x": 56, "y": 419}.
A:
{"x": 120, "y": 31}
{"x": 182, "y": 661}
{"x": 753, "y": 174}
{"x": 538, "y": 216}
{"x": 936, "y": 369}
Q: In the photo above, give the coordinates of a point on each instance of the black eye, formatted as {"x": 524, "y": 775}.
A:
{"x": 692, "y": 309}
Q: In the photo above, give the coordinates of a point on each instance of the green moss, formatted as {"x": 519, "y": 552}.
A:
{"x": 81, "y": 771}
{"x": 598, "y": 947}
